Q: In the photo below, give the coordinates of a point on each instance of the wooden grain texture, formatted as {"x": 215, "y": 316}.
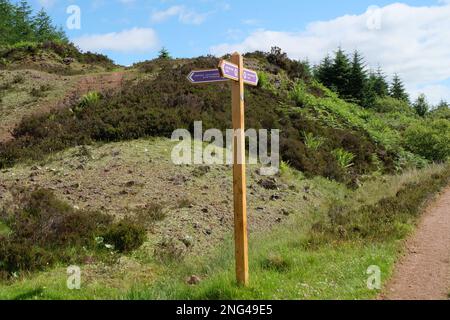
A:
{"x": 239, "y": 176}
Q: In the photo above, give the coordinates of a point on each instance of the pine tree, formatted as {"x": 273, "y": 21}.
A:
{"x": 379, "y": 83}
{"x": 164, "y": 54}
{"x": 43, "y": 26}
{"x": 421, "y": 105}
{"x": 6, "y": 21}
{"x": 357, "y": 79}
{"x": 23, "y": 22}
{"x": 324, "y": 72}
{"x": 397, "y": 89}
{"x": 341, "y": 73}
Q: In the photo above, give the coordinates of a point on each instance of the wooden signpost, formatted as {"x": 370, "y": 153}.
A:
{"x": 234, "y": 71}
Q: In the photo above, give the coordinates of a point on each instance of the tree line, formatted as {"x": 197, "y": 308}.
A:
{"x": 349, "y": 76}
{"x": 19, "y": 24}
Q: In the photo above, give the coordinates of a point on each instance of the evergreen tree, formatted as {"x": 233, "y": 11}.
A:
{"x": 164, "y": 54}
{"x": 379, "y": 83}
{"x": 421, "y": 105}
{"x": 341, "y": 70}
{"x": 23, "y": 22}
{"x": 357, "y": 79}
{"x": 18, "y": 24}
{"x": 7, "y": 12}
{"x": 397, "y": 89}
{"x": 324, "y": 72}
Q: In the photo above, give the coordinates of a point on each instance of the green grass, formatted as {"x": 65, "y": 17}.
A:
{"x": 4, "y": 230}
{"x": 287, "y": 264}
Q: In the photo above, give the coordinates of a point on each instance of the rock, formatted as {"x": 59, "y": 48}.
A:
{"x": 188, "y": 241}
{"x": 179, "y": 180}
{"x": 205, "y": 210}
{"x": 130, "y": 184}
{"x": 275, "y": 197}
{"x": 269, "y": 184}
{"x": 193, "y": 280}
{"x": 68, "y": 60}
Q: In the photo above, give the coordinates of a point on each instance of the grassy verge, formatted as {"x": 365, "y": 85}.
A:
{"x": 304, "y": 261}
{"x": 307, "y": 257}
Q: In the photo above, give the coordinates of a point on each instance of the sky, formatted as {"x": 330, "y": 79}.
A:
{"x": 411, "y": 37}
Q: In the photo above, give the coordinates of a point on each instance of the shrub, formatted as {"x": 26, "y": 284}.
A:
{"x": 312, "y": 142}
{"x": 125, "y": 236}
{"x": 389, "y": 218}
{"x": 344, "y": 158}
{"x": 430, "y": 139}
{"x": 44, "y": 230}
{"x": 389, "y": 104}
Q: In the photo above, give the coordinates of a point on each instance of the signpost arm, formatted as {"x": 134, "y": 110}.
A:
{"x": 239, "y": 175}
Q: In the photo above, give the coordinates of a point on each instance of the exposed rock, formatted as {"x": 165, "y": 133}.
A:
{"x": 269, "y": 184}
{"x": 188, "y": 241}
{"x": 193, "y": 280}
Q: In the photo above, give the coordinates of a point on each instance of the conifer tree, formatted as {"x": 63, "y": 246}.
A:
{"x": 379, "y": 83}
{"x": 397, "y": 89}
{"x": 357, "y": 79}
{"x": 341, "y": 73}
{"x": 324, "y": 72}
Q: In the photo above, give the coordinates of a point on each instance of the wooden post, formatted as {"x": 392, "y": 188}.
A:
{"x": 239, "y": 175}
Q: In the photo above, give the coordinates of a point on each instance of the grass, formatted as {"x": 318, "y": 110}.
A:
{"x": 4, "y": 230}
{"x": 283, "y": 264}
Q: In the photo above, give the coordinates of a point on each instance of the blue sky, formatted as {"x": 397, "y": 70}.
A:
{"x": 411, "y": 37}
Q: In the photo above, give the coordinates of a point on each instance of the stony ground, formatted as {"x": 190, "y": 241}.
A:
{"x": 121, "y": 178}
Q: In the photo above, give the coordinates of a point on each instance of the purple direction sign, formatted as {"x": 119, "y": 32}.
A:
{"x": 205, "y": 76}
{"x": 231, "y": 71}
{"x": 251, "y": 77}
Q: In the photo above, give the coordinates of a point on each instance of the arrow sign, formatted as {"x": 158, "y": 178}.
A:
{"x": 231, "y": 71}
{"x": 206, "y": 76}
{"x": 251, "y": 77}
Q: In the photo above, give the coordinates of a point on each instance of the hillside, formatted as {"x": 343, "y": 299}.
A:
{"x": 88, "y": 146}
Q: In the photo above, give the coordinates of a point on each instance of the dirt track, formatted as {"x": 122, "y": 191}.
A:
{"x": 424, "y": 272}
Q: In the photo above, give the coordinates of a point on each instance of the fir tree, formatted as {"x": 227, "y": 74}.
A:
{"x": 397, "y": 89}
{"x": 357, "y": 79}
{"x": 341, "y": 73}
{"x": 379, "y": 83}
{"x": 164, "y": 54}
{"x": 324, "y": 72}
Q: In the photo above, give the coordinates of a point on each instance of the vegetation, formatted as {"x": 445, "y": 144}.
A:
{"x": 18, "y": 25}
{"x": 323, "y": 254}
{"x": 45, "y": 230}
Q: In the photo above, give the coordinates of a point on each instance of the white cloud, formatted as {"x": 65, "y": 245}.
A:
{"x": 185, "y": 15}
{"x": 434, "y": 92}
{"x": 129, "y": 41}
{"x": 412, "y": 41}
{"x": 47, "y": 3}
